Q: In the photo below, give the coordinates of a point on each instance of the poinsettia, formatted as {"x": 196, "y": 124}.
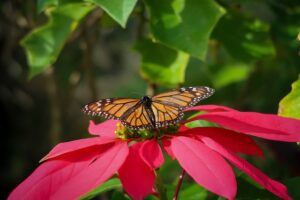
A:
{"x": 71, "y": 169}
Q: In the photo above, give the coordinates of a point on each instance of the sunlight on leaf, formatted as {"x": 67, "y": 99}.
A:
{"x": 245, "y": 39}
{"x": 43, "y": 4}
{"x": 192, "y": 192}
{"x": 44, "y": 43}
{"x": 184, "y": 25}
{"x": 119, "y": 10}
{"x": 200, "y": 123}
{"x": 162, "y": 65}
{"x": 111, "y": 184}
{"x": 230, "y": 73}
{"x": 289, "y": 106}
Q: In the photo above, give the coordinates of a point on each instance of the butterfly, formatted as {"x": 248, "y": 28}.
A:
{"x": 154, "y": 112}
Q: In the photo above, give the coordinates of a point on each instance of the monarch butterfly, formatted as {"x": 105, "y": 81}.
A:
{"x": 154, "y": 112}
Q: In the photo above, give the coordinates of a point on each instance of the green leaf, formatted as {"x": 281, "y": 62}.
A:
{"x": 151, "y": 197}
{"x": 184, "y": 25}
{"x": 289, "y": 106}
{"x": 248, "y": 190}
{"x": 169, "y": 171}
{"x": 113, "y": 183}
{"x": 108, "y": 22}
{"x": 200, "y": 123}
{"x": 43, "y": 4}
{"x": 119, "y": 10}
{"x": 245, "y": 39}
{"x": 117, "y": 195}
{"x": 293, "y": 187}
{"x": 44, "y": 44}
{"x": 230, "y": 73}
{"x": 162, "y": 65}
{"x": 188, "y": 191}
{"x": 193, "y": 192}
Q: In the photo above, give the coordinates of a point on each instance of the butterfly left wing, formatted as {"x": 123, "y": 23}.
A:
{"x": 168, "y": 106}
{"x": 131, "y": 112}
{"x": 113, "y": 108}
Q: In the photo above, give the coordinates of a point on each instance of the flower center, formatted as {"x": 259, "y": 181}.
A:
{"x": 123, "y": 132}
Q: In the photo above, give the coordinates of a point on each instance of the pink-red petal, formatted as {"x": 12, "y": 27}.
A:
{"x": 266, "y": 126}
{"x": 151, "y": 153}
{"x": 67, "y": 147}
{"x": 136, "y": 176}
{"x": 231, "y": 140}
{"x": 210, "y": 108}
{"x": 96, "y": 173}
{"x": 273, "y": 186}
{"x": 104, "y": 129}
{"x": 166, "y": 143}
{"x": 205, "y": 166}
{"x": 49, "y": 179}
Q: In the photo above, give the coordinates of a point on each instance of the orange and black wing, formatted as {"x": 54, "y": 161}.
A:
{"x": 138, "y": 118}
{"x": 165, "y": 115}
{"x": 113, "y": 108}
{"x": 168, "y": 107}
{"x": 184, "y": 97}
{"x": 131, "y": 112}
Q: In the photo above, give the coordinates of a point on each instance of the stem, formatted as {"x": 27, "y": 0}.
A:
{"x": 162, "y": 194}
{"x": 142, "y": 22}
{"x": 55, "y": 112}
{"x": 90, "y": 39}
{"x": 179, "y": 184}
{"x": 87, "y": 64}
{"x": 151, "y": 89}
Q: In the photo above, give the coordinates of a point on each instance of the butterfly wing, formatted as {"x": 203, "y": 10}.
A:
{"x": 184, "y": 97}
{"x": 113, "y": 108}
{"x": 131, "y": 112}
{"x": 167, "y": 107}
{"x": 166, "y": 114}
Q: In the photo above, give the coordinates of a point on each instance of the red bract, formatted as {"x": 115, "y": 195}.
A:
{"x": 73, "y": 168}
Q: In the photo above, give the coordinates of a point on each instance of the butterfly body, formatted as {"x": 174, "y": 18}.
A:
{"x": 149, "y": 112}
{"x": 147, "y": 101}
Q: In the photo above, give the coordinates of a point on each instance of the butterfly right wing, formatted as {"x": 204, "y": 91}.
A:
{"x": 184, "y": 97}
{"x": 168, "y": 106}
{"x": 166, "y": 115}
{"x": 113, "y": 108}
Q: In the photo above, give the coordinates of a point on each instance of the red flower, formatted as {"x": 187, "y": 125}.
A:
{"x": 73, "y": 168}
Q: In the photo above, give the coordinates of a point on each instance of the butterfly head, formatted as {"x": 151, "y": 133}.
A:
{"x": 146, "y": 100}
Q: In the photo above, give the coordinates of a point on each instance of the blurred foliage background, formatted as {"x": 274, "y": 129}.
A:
{"x": 57, "y": 55}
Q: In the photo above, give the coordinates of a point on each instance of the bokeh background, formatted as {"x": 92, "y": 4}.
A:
{"x": 252, "y": 58}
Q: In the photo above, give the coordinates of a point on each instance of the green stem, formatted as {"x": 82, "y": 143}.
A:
{"x": 179, "y": 184}
{"x": 162, "y": 191}
{"x": 151, "y": 89}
